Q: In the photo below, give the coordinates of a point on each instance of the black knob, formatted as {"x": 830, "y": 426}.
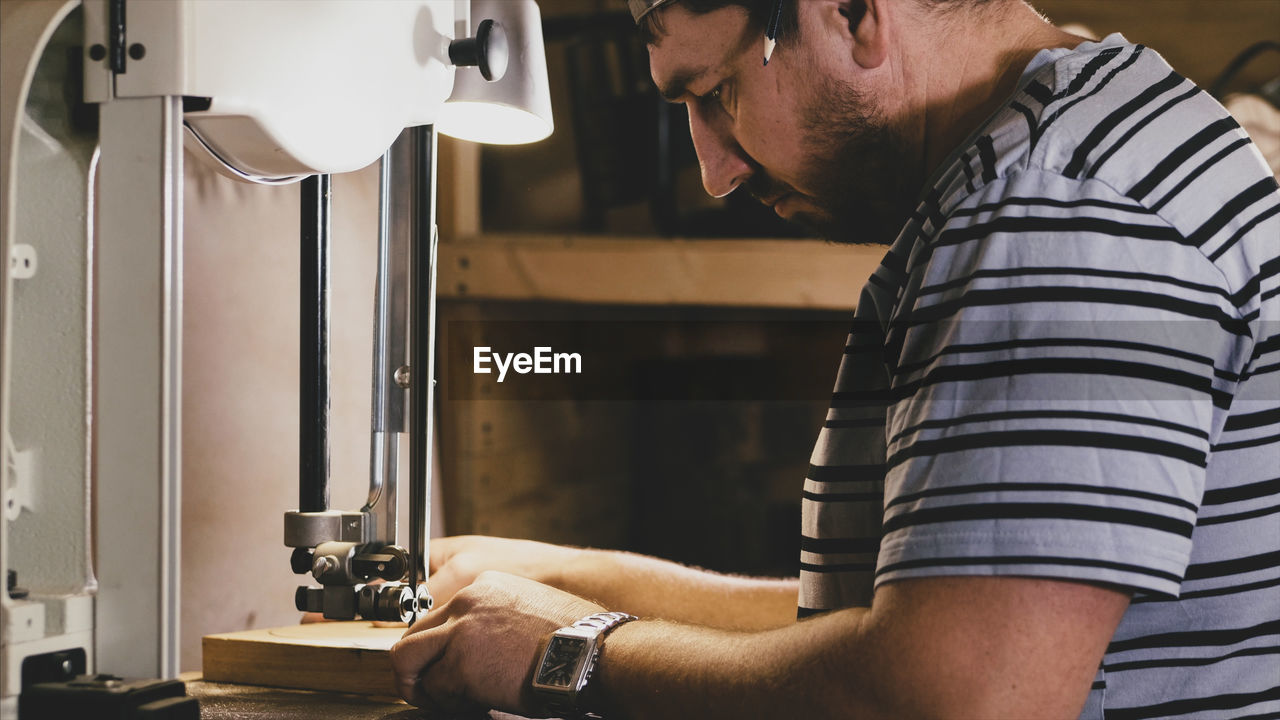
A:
{"x": 488, "y": 49}
{"x": 311, "y": 599}
{"x": 301, "y": 561}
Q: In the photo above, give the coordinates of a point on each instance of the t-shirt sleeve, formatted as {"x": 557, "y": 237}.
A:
{"x": 1060, "y": 363}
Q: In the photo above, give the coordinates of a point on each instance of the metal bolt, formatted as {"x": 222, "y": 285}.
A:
{"x": 402, "y": 377}
{"x": 323, "y": 564}
{"x": 97, "y": 52}
{"x": 137, "y": 51}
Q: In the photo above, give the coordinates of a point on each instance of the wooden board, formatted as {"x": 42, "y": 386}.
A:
{"x": 223, "y": 701}
{"x": 220, "y": 701}
{"x": 351, "y": 657}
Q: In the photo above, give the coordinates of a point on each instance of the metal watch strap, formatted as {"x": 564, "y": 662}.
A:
{"x": 602, "y": 623}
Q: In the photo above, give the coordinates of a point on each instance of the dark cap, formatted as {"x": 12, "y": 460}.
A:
{"x": 640, "y": 8}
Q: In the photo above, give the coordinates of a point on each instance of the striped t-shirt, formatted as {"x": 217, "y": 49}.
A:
{"x": 1068, "y": 366}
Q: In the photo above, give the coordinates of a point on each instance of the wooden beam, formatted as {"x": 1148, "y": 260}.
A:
{"x": 587, "y": 269}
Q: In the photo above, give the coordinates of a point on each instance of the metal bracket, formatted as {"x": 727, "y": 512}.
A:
{"x": 309, "y": 529}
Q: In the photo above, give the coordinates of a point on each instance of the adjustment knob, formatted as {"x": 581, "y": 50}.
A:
{"x": 300, "y": 561}
{"x": 323, "y": 565}
{"x": 489, "y": 50}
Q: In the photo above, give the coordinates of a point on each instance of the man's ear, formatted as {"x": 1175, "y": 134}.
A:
{"x": 868, "y": 23}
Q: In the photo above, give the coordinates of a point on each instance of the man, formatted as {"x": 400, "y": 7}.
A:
{"x": 1047, "y": 483}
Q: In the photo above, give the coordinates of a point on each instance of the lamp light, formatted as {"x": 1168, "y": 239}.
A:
{"x": 514, "y": 108}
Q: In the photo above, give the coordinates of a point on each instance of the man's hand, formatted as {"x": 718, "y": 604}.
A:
{"x": 476, "y": 650}
{"x": 457, "y": 561}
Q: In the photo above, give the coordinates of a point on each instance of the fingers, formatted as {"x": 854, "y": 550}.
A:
{"x": 441, "y": 549}
{"x": 447, "y": 581}
{"x": 444, "y": 578}
{"x": 455, "y": 563}
{"x": 430, "y": 619}
{"x": 410, "y": 657}
{"x": 421, "y": 655}
{"x": 411, "y": 692}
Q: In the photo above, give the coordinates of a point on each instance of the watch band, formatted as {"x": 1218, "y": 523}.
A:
{"x": 604, "y": 622}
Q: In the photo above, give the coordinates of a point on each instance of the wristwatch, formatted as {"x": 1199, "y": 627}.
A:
{"x": 566, "y": 664}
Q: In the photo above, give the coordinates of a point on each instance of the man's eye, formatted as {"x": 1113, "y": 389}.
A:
{"x": 721, "y": 96}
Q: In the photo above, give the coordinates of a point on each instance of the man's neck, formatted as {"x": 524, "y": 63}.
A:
{"x": 968, "y": 81}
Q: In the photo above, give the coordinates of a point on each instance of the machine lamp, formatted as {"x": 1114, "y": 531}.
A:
{"x": 512, "y": 108}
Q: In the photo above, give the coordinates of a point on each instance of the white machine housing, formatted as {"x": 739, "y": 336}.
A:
{"x": 296, "y": 87}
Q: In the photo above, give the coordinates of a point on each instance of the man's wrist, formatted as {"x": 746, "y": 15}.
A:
{"x": 567, "y": 663}
{"x": 599, "y": 699}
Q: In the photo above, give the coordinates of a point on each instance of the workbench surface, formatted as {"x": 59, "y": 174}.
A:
{"x": 221, "y": 701}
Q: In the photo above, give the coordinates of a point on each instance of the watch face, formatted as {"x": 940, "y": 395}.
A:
{"x": 561, "y": 660}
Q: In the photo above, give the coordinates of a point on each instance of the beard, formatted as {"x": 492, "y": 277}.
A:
{"x": 859, "y": 171}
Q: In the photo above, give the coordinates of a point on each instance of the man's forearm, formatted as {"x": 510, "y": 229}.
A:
{"x": 655, "y": 669}
{"x": 653, "y": 588}
{"x": 959, "y": 646}
{"x": 940, "y": 647}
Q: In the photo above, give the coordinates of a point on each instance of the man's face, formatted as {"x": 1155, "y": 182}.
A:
{"x": 795, "y": 133}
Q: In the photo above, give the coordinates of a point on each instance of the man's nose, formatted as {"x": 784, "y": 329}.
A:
{"x": 724, "y": 164}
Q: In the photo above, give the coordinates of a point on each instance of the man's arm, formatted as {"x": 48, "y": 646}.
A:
{"x": 641, "y": 585}
{"x": 962, "y": 647}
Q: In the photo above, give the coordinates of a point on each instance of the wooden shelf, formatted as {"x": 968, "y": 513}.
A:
{"x": 656, "y": 271}
{"x": 1198, "y": 36}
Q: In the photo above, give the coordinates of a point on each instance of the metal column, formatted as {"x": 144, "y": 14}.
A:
{"x": 422, "y": 310}
{"x": 139, "y": 371}
{"x": 313, "y": 347}
{"x": 389, "y": 400}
